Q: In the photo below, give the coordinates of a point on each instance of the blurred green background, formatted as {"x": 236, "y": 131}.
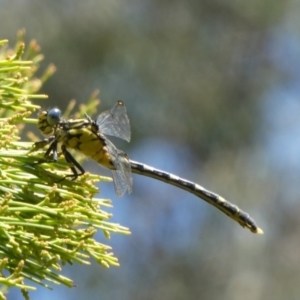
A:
{"x": 212, "y": 92}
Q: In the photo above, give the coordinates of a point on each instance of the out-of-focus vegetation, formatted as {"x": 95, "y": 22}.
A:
{"x": 207, "y": 85}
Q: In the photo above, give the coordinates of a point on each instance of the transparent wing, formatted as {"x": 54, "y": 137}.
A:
{"x": 122, "y": 175}
{"x": 115, "y": 122}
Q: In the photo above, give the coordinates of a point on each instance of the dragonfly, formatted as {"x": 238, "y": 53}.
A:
{"x": 89, "y": 137}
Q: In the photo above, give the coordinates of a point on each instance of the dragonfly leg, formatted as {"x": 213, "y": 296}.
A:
{"x": 52, "y": 148}
{"x": 70, "y": 159}
{"x": 41, "y": 144}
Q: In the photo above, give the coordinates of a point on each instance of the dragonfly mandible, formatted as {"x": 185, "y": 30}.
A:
{"x": 90, "y": 138}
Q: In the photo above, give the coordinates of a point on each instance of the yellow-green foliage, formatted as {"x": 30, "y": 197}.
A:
{"x": 43, "y": 224}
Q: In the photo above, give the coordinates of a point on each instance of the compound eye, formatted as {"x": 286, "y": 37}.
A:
{"x": 53, "y": 116}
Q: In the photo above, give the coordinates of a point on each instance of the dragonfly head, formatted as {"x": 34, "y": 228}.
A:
{"x": 53, "y": 116}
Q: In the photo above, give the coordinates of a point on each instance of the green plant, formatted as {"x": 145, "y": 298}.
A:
{"x": 43, "y": 224}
